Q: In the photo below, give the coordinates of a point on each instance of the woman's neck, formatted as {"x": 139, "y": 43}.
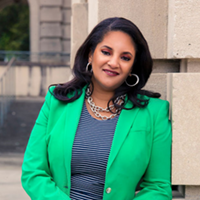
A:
{"x": 101, "y": 97}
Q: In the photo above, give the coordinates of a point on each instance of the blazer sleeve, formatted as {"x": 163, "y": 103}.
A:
{"x": 36, "y": 176}
{"x": 156, "y": 183}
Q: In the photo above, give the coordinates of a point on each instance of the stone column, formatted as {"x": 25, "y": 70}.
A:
{"x": 79, "y": 29}
{"x": 34, "y": 28}
{"x": 51, "y": 30}
{"x": 183, "y": 34}
{"x": 66, "y": 27}
{"x": 185, "y": 100}
{"x": 171, "y": 28}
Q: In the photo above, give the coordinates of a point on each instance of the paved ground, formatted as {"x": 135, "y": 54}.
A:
{"x": 13, "y": 139}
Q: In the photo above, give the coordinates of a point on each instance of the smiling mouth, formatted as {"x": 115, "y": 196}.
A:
{"x": 110, "y": 72}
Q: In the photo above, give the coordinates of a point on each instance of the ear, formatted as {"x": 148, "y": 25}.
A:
{"x": 90, "y": 57}
{"x": 130, "y": 72}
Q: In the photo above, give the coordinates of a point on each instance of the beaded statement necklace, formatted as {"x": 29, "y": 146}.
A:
{"x": 96, "y": 109}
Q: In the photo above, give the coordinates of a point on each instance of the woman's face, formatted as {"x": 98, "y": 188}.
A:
{"x": 112, "y": 60}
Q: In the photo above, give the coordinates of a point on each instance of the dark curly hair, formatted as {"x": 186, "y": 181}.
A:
{"x": 142, "y": 65}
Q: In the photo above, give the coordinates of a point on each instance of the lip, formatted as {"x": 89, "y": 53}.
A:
{"x": 110, "y": 72}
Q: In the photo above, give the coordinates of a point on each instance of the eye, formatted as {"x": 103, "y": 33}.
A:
{"x": 107, "y": 53}
{"x": 126, "y": 58}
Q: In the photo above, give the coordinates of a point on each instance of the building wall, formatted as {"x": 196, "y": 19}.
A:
{"x": 50, "y": 27}
{"x": 34, "y": 80}
{"x": 50, "y": 24}
{"x": 172, "y": 30}
{"x": 50, "y": 31}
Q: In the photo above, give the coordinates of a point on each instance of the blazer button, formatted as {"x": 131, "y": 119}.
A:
{"x": 108, "y": 190}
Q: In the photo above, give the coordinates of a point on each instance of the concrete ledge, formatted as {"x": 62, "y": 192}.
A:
{"x": 37, "y": 79}
{"x": 51, "y": 2}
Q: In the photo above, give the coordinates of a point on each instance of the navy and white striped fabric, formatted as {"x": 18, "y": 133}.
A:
{"x": 90, "y": 153}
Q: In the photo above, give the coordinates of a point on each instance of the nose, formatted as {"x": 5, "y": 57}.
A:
{"x": 113, "y": 62}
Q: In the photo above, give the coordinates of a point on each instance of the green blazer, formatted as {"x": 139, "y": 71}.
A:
{"x": 141, "y": 147}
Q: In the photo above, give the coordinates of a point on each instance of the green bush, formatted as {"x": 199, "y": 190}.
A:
{"x": 14, "y": 28}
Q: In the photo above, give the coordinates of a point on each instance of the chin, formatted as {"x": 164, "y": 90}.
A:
{"x": 110, "y": 88}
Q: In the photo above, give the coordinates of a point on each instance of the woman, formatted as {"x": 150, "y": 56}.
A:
{"x": 99, "y": 134}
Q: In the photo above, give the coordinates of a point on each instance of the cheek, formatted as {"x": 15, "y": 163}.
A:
{"x": 98, "y": 62}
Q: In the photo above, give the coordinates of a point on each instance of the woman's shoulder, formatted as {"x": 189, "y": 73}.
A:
{"x": 154, "y": 105}
{"x": 53, "y": 97}
{"x": 155, "y": 102}
{"x": 157, "y": 105}
{"x": 50, "y": 90}
{"x": 50, "y": 93}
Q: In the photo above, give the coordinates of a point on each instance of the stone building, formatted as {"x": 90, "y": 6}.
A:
{"x": 50, "y": 23}
{"x": 172, "y": 29}
{"x": 50, "y": 27}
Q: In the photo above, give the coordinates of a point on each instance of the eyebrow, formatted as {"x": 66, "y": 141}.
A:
{"x": 126, "y": 52}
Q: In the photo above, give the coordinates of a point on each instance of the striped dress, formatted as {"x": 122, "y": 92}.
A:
{"x": 90, "y": 153}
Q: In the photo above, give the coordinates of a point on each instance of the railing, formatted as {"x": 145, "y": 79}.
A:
{"x": 60, "y": 57}
{"x": 7, "y": 89}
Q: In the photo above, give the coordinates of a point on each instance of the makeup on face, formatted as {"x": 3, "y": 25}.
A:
{"x": 112, "y": 60}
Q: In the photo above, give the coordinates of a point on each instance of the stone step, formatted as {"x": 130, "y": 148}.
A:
{"x": 18, "y": 124}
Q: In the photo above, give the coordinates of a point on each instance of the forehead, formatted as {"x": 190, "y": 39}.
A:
{"x": 118, "y": 39}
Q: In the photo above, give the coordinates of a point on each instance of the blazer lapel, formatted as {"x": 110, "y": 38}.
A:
{"x": 125, "y": 121}
{"x": 73, "y": 113}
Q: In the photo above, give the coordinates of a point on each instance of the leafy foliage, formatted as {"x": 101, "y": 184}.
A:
{"x": 14, "y": 28}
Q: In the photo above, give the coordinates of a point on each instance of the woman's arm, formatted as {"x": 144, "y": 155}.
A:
{"x": 36, "y": 176}
{"x": 156, "y": 183}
